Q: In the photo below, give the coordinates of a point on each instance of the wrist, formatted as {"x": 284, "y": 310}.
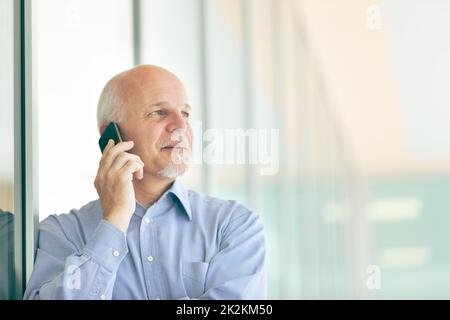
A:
{"x": 118, "y": 221}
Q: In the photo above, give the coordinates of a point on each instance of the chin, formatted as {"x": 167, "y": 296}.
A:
{"x": 172, "y": 171}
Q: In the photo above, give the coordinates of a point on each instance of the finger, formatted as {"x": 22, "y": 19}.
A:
{"x": 113, "y": 152}
{"x": 122, "y": 158}
{"x": 108, "y": 147}
{"x": 101, "y": 166}
{"x": 130, "y": 167}
{"x": 140, "y": 173}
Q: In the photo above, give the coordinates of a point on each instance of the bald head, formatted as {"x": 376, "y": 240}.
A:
{"x": 134, "y": 87}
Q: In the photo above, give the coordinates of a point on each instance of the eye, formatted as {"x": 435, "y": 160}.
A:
{"x": 157, "y": 113}
{"x": 185, "y": 114}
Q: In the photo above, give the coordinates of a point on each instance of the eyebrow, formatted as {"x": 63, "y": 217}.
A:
{"x": 164, "y": 103}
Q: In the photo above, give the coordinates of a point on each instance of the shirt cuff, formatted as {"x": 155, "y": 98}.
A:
{"x": 107, "y": 246}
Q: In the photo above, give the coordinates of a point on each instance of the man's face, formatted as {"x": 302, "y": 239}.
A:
{"x": 157, "y": 120}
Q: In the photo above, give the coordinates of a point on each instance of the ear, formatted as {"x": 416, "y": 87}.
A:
{"x": 102, "y": 127}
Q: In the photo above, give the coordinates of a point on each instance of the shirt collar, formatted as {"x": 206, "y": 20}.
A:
{"x": 180, "y": 192}
{"x": 176, "y": 193}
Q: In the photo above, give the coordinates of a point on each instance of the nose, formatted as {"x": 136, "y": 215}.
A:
{"x": 177, "y": 122}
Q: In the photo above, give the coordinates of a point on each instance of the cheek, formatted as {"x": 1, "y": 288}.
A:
{"x": 151, "y": 140}
{"x": 142, "y": 143}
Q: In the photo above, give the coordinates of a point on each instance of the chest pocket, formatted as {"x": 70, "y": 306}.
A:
{"x": 194, "y": 277}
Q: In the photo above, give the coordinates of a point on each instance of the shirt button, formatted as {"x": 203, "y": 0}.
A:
{"x": 116, "y": 253}
{"x": 147, "y": 220}
{"x": 103, "y": 297}
{"x": 150, "y": 259}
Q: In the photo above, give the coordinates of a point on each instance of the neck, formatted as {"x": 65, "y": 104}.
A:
{"x": 148, "y": 190}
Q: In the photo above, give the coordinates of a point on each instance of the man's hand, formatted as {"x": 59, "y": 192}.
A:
{"x": 114, "y": 183}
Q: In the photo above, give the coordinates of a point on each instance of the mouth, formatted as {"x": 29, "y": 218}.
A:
{"x": 173, "y": 146}
{"x": 177, "y": 151}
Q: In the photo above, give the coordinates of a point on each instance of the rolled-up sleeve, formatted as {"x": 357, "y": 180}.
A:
{"x": 64, "y": 271}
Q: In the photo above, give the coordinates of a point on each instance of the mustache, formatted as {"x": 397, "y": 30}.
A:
{"x": 177, "y": 139}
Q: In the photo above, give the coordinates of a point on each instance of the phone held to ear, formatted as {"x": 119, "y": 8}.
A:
{"x": 111, "y": 132}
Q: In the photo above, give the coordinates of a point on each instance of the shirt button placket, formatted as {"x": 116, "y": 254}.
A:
{"x": 147, "y": 230}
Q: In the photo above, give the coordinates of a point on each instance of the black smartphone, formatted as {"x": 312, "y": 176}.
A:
{"x": 111, "y": 132}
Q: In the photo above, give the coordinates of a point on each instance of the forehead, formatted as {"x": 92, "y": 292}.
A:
{"x": 143, "y": 87}
{"x": 148, "y": 96}
{"x": 169, "y": 96}
{"x": 173, "y": 93}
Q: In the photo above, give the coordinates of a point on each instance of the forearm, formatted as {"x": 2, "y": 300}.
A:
{"x": 89, "y": 274}
{"x": 82, "y": 279}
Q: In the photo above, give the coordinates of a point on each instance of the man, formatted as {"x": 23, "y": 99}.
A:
{"x": 147, "y": 237}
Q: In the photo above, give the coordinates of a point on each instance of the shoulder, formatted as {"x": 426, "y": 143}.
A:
{"x": 74, "y": 226}
{"x": 85, "y": 214}
{"x": 226, "y": 212}
{"x": 215, "y": 205}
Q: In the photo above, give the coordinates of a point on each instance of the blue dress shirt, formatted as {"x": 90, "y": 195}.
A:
{"x": 187, "y": 245}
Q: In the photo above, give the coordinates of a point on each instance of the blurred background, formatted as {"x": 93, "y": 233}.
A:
{"x": 359, "y": 206}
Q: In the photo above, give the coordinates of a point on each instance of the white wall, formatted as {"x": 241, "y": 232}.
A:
{"x": 81, "y": 45}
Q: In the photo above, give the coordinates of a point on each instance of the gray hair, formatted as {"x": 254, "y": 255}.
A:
{"x": 110, "y": 104}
